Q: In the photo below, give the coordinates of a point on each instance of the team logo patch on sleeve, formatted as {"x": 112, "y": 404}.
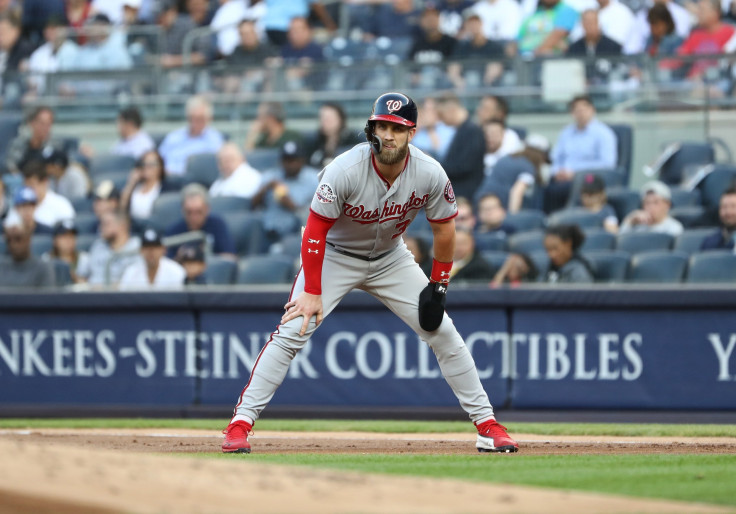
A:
{"x": 325, "y": 194}
{"x": 449, "y": 193}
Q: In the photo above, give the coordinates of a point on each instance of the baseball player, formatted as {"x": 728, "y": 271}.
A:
{"x": 366, "y": 199}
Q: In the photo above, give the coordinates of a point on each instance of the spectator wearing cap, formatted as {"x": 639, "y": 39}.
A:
{"x": 467, "y": 263}
{"x": 723, "y": 238}
{"x": 25, "y": 202}
{"x": 514, "y": 176}
{"x": 175, "y": 26}
{"x": 146, "y": 182}
{"x": 152, "y": 269}
{"x": 287, "y": 192}
{"x": 237, "y": 177}
{"x": 51, "y": 207}
{"x": 475, "y": 46}
{"x": 67, "y": 179}
{"x": 33, "y": 140}
{"x": 654, "y": 216}
{"x": 197, "y": 137}
{"x": 587, "y": 144}
{"x": 105, "y": 198}
{"x": 65, "y": 248}
{"x": 269, "y": 128}
{"x": 134, "y": 141}
{"x": 191, "y": 258}
{"x": 593, "y": 198}
{"x": 111, "y": 253}
{"x": 195, "y": 206}
{"x": 20, "y": 268}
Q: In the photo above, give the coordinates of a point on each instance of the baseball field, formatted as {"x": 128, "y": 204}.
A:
{"x": 320, "y": 466}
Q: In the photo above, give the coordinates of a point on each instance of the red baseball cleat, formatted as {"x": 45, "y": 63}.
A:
{"x": 236, "y": 438}
{"x": 492, "y": 437}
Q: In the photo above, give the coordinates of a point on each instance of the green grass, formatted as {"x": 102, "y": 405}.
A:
{"x": 696, "y": 478}
{"x": 387, "y": 426}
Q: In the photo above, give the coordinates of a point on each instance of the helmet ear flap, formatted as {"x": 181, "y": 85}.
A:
{"x": 372, "y": 138}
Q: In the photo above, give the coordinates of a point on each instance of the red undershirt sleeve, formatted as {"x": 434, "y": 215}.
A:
{"x": 313, "y": 251}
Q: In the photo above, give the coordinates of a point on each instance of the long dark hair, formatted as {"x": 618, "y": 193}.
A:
{"x": 161, "y": 170}
{"x": 575, "y": 236}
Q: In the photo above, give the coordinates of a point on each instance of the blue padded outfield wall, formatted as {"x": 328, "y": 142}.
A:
{"x": 610, "y": 348}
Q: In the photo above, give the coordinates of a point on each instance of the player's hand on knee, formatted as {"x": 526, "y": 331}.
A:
{"x": 432, "y": 306}
{"x": 305, "y": 305}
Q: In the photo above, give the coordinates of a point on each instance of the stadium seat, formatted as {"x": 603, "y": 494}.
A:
{"x": 82, "y": 204}
{"x": 575, "y": 216}
{"x": 490, "y": 241}
{"x": 224, "y": 204}
{"x": 201, "y": 169}
{"x": 526, "y": 219}
{"x": 691, "y": 239}
{"x": 608, "y": 266}
{"x": 526, "y": 242}
{"x": 84, "y": 241}
{"x": 712, "y": 267}
{"x": 247, "y": 232}
{"x": 495, "y": 259}
{"x": 598, "y": 239}
{"x": 166, "y": 211}
{"x": 541, "y": 261}
{"x": 86, "y": 223}
{"x": 263, "y": 159}
{"x": 715, "y": 183}
{"x": 684, "y": 197}
{"x": 289, "y": 246}
{"x": 41, "y": 243}
{"x": 637, "y": 242}
{"x": 685, "y": 156}
{"x": 690, "y": 215}
{"x": 107, "y": 162}
{"x": 266, "y": 269}
{"x": 661, "y": 267}
{"x": 62, "y": 272}
{"x": 220, "y": 271}
{"x": 624, "y": 146}
{"x": 623, "y": 200}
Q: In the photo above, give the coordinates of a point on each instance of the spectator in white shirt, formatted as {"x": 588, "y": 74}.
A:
{"x": 501, "y": 18}
{"x": 134, "y": 141}
{"x": 112, "y": 252}
{"x": 237, "y": 177}
{"x": 152, "y": 269}
{"x": 68, "y": 179}
{"x": 145, "y": 184}
{"x": 52, "y": 207}
{"x": 654, "y": 215}
{"x": 44, "y": 59}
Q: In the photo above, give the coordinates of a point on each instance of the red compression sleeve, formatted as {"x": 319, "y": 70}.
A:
{"x": 313, "y": 251}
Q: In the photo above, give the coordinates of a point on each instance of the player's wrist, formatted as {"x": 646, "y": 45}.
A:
{"x": 440, "y": 272}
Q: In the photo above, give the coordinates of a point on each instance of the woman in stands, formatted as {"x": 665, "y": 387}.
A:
{"x": 65, "y": 248}
{"x": 146, "y": 182}
{"x": 331, "y": 137}
{"x": 566, "y": 265}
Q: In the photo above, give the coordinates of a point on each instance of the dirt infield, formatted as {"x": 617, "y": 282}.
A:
{"x": 61, "y": 470}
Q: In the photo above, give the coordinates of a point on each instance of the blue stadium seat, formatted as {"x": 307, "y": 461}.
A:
{"x": 62, "y": 272}
{"x": 690, "y": 215}
{"x": 691, "y": 239}
{"x": 688, "y": 154}
{"x": 598, "y": 239}
{"x": 290, "y": 246}
{"x": 82, "y": 204}
{"x": 201, "y": 169}
{"x": 612, "y": 178}
{"x": 495, "y": 258}
{"x": 224, "y": 204}
{"x": 266, "y": 269}
{"x": 625, "y": 148}
{"x": 166, "y": 211}
{"x": 107, "y": 162}
{"x": 263, "y": 159}
{"x": 608, "y": 266}
{"x": 541, "y": 261}
{"x": 526, "y": 242}
{"x": 637, "y": 242}
{"x": 623, "y": 200}
{"x": 41, "y": 243}
{"x": 575, "y": 216}
{"x": 662, "y": 267}
{"x": 715, "y": 183}
{"x": 247, "y": 232}
{"x": 490, "y": 241}
{"x": 86, "y": 223}
{"x": 220, "y": 271}
{"x": 712, "y": 267}
{"x": 526, "y": 219}
{"x": 684, "y": 197}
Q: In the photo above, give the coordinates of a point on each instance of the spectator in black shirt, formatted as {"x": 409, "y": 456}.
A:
{"x": 430, "y": 48}
{"x": 249, "y": 63}
{"x": 594, "y": 46}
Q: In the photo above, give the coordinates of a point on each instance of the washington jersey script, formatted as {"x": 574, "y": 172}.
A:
{"x": 370, "y": 214}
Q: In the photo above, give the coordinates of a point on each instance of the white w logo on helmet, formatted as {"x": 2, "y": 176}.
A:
{"x": 393, "y": 105}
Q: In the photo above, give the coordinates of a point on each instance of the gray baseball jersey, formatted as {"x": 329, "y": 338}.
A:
{"x": 371, "y": 215}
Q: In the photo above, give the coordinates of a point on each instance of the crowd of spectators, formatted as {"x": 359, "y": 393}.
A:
{"x": 446, "y": 43}
{"x": 528, "y": 209}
